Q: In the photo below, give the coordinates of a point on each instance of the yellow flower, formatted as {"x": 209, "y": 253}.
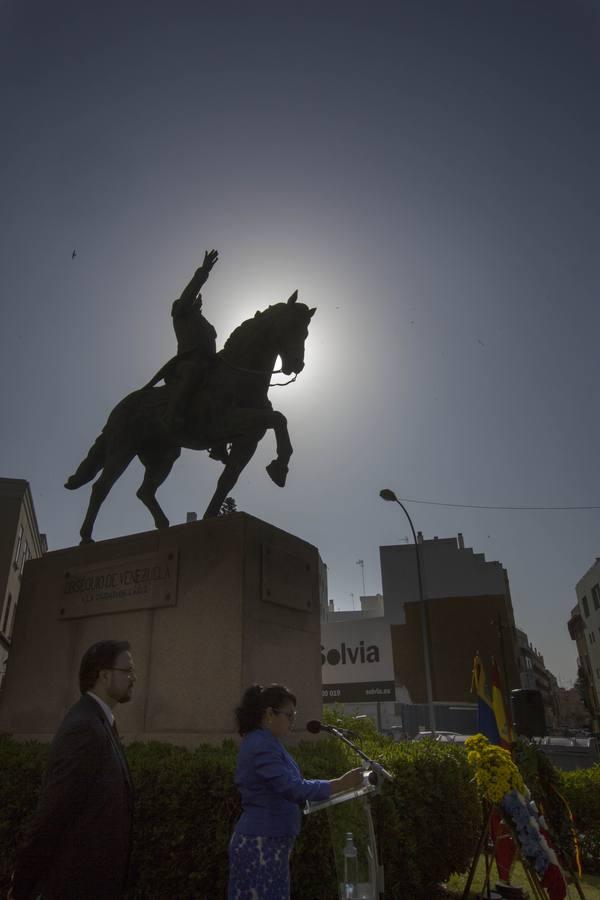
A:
{"x": 495, "y": 772}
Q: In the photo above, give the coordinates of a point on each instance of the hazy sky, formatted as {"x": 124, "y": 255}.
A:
{"x": 425, "y": 173}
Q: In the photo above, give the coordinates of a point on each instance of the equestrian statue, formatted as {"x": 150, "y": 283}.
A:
{"x": 209, "y": 401}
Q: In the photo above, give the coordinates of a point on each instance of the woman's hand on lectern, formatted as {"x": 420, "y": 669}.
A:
{"x": 348, "y": 781}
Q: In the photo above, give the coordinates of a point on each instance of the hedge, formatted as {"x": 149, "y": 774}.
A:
{"x": 582, "y": 790}
{"x": 187, "y": 805}
{"x": 550, "y": 787}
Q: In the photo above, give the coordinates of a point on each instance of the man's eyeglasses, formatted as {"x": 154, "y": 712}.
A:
{"x": 289, "y": 715}
{"x": 130, "y": 672}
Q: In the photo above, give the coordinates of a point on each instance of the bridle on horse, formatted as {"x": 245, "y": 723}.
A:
{"x": 259, "y": 372}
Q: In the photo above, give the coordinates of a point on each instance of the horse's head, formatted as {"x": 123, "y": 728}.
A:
{"x": 281, "y": 330}
{"x": 291, "y": 326}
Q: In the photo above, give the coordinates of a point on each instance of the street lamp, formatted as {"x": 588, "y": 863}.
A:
{"x": 387, "y": 494}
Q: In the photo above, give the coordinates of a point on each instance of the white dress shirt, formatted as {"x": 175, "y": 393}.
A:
{"x": 104, "y": 707}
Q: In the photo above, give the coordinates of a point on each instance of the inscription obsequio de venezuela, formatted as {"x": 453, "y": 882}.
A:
{"x": 139, "y": 582}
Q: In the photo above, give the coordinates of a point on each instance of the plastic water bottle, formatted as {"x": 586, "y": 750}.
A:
{"x": 350, "y": 868}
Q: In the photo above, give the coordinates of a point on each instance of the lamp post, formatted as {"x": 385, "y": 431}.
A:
{"x": 387, "y": 494}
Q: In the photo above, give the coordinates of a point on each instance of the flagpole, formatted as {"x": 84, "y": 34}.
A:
{"x": 507, "y": 703}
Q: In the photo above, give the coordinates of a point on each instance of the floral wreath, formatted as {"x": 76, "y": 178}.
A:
{"x": 500, "y": 783}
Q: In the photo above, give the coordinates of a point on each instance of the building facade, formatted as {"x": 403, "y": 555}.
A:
{"x": 20, "y": 540}
{"x": 469, "y": 610}
{"x": 526, "y": 662}
{"x": 588, "y": 600}
{"x": 371, "y": 607}
{"x": 572, "y": 711}
{"x": 581, "y": 629}
{"x": 536, "y": 676}
{"x": 547, "y": 685}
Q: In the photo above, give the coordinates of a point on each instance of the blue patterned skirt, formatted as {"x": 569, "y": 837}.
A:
{"x": 259, "y": 867}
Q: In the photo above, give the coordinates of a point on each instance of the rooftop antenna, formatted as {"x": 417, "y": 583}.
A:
{"x": 361, "y": 563}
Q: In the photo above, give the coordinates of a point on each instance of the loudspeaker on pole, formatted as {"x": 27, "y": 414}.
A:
{"x": 529, "y": 719}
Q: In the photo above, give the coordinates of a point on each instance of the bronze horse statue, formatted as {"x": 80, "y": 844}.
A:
{"x": 230, "y": 406}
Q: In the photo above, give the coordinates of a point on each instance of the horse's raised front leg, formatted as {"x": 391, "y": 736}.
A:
{"x": 241, "y": 452}
{"x": 277, "y": 469}
{"x": 245, "y": 428}
{"x": 158, "y": 467}
{"x": 113, "y": 469}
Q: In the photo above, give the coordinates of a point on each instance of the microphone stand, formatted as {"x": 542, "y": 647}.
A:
{"x": 377, "y": 772}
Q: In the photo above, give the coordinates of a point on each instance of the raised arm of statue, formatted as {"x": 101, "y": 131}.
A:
{"x": 190, "y": 293}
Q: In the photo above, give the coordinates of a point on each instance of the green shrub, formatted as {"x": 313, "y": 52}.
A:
{"x": 582, "y": 790}
{"x": 185, "y": 810}
{"x": 428, "y": 819}
{"x": 436, "y": 814}
{"x": 21, "y": 769}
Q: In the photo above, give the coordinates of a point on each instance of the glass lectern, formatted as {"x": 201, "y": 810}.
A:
{"x": 354, "y": 818}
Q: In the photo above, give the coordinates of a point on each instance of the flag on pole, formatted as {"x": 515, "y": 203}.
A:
{"x": 486, "y": 720}
{"x": 502, "y": 723}
{"x": 489, "y": 721}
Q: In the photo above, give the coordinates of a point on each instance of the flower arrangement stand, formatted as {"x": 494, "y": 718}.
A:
{"x": 529, "y": 870}
{"x": 538, "y": 891}
{"x": 506, "y": 799}
{"x": 487, "y": 816}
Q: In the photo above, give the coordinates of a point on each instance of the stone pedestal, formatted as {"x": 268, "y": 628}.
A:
{"x": 209, "y": 608}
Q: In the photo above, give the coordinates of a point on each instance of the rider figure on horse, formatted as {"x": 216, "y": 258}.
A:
{"x": 196, "y": 350}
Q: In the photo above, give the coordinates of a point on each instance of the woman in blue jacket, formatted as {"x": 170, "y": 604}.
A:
{"x": 273, "y": 794}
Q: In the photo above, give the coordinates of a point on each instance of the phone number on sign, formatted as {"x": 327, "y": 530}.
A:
{"x": 331, "y": 692}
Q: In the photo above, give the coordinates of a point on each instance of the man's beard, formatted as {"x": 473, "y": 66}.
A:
{"x": 123, "y": 698}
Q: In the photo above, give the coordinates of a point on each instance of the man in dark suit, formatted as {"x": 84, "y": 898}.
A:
{"x": 78, "y": 843}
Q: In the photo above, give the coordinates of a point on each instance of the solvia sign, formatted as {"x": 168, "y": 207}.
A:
{"x": 356, "y": 655}
{"x": 349, "y": 655}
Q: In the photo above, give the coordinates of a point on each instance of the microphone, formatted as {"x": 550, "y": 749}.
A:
{"x": 314, "y": 726}
{"x": 377, "y": 770}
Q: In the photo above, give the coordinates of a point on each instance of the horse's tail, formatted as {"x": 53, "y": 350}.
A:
{"x": 90, "y": 466}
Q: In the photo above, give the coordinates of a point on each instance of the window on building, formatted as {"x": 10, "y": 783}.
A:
{"x": 11, "y": 621}
{"x": 26, "y": 555}
{"x": 596, "y": 596}
{"x": 6, "y": 616}
{"x": 18, "y": 546}
{"x": 586, "y": 608}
